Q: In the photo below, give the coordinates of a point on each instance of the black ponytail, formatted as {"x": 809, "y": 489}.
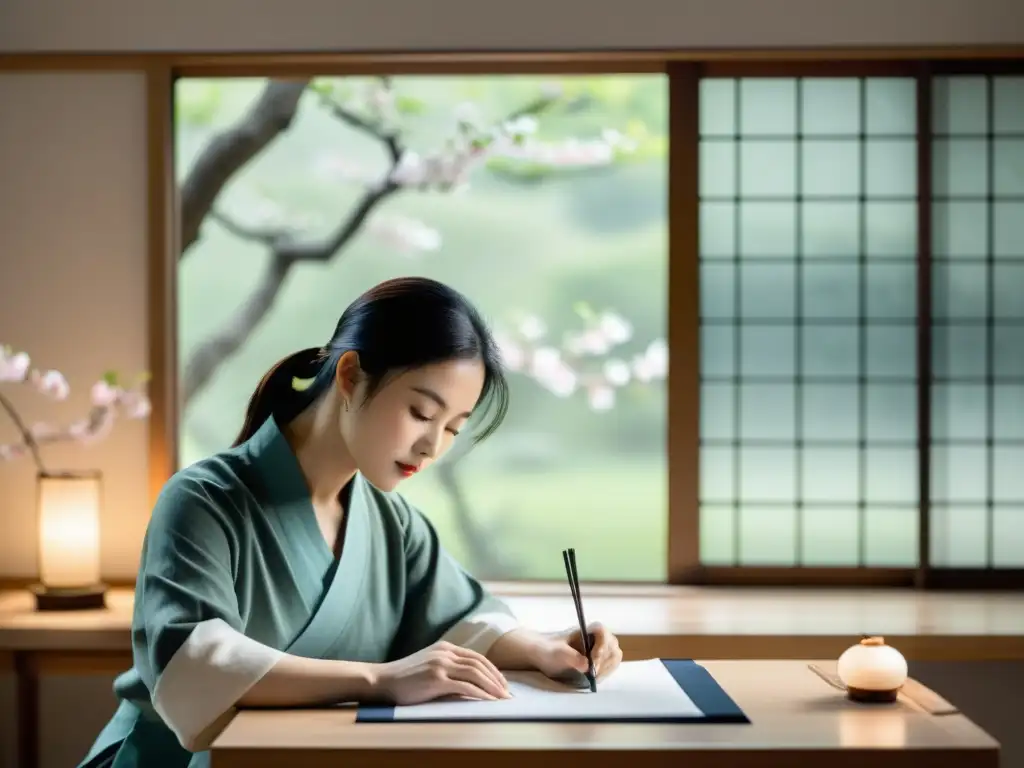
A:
{"x": 275, "y": 395}
{"x": 397, "y": 325}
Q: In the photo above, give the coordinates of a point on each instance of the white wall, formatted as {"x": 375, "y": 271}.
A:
{"x": 306, "y": 25}
{"x": 73, "y": 284}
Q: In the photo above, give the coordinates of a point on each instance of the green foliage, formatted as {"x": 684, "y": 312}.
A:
{"x": 585, "y": 312}
{"x": 649, "y": 144}
{"x": 112, "y": 378}
{"x": 339, "y": 89}
{"x": 197, "y": 102}
{"x": 622, "y": 285}
{"x": 410, "y": 105}
{"x": 322, "y": 86}
{"x": 529, "y": 172}
{"x": 635, "y": 106}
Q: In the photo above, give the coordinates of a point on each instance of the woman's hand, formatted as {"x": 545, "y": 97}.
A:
{"x": 562, "y": 652}
{"x": 441, "y": 670}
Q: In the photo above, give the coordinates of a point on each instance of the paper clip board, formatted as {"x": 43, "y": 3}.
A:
{"x": 653, "y": 691}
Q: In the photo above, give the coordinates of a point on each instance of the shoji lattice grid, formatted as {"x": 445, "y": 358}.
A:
{"x": 808, "y": 308}
{"x": 977, "y": 451}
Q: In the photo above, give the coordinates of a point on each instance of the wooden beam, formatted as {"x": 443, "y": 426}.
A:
{"x": 283, "y": 63}
{"x": 683, "y": 322}
{"x": 162, "y": 258}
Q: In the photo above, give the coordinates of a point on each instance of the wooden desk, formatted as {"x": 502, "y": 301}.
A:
{"x": 651, "y": 622}
{"x": 797, "y": 720}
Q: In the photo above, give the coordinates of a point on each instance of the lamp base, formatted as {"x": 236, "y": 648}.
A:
{"x": 70, "y": 599}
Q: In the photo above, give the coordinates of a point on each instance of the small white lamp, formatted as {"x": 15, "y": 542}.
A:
{"x": 69, "y": 542}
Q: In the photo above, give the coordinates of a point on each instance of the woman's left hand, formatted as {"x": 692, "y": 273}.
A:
{"x": 560, "y": 652}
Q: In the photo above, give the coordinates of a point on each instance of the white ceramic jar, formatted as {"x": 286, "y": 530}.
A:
{"x": 872, "y": 670}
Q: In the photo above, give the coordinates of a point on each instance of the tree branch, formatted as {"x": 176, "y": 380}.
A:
{"x": 534, "y": 107}
{"x": 26, "y": 433}
{"x": 213, "y": 351}
{"x": 231, "y": 149}
{"x": 287, "y": 250}
{"x": 389, "y": 139}
{"x": 265, "y": 235}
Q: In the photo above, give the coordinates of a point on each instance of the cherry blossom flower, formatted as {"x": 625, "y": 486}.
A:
{"x": 405, "y": 234}
{"x": 585, "y": 361}
{"x": 13, "y": 366}
{"x": 51, "y": 383}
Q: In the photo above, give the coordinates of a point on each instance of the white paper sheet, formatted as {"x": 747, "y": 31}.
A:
{"x": 637, "y": 690}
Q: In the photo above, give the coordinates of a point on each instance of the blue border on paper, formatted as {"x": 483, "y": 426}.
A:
{"x": 717, "y": 706}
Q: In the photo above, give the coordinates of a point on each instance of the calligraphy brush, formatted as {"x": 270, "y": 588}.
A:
{"x": 569, "y": 558}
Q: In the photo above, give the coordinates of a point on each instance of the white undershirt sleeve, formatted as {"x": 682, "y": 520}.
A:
{"x": 478, "y": 632}
{"x": 207, "y": 675}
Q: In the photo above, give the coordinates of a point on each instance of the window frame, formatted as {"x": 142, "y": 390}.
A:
{"x": 685, "y": 71}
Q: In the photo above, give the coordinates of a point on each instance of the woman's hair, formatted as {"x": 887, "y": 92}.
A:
{"x": 397, "y": 325}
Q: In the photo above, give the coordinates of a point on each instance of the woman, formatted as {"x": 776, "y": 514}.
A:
{"x": 283, "y": 572}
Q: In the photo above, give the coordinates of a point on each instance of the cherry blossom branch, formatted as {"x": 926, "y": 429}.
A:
{"x": 444, "y": 170}
{"x": 26, "y": 436}
{"x": 374, "y": 128}
{"x": 585, "y": 360}
{"x": 108, "y": 397}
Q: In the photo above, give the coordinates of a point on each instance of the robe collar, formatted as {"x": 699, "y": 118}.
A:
{"x": 286, "y": 492}
{"x": 275, "y": 462}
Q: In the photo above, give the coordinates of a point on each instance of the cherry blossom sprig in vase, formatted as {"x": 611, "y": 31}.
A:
{"x": 68, "y": 502}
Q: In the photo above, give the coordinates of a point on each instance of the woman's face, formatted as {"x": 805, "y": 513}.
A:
{"x": 410, "y": 421}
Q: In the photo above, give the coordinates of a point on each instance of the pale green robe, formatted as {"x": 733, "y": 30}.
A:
{"x": 235, "y": 572}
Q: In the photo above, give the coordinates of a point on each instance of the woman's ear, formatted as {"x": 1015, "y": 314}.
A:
{"x": 347, "y": 375}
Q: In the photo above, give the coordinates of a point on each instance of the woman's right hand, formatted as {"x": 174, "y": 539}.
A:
{"x": 441, "y": 670}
